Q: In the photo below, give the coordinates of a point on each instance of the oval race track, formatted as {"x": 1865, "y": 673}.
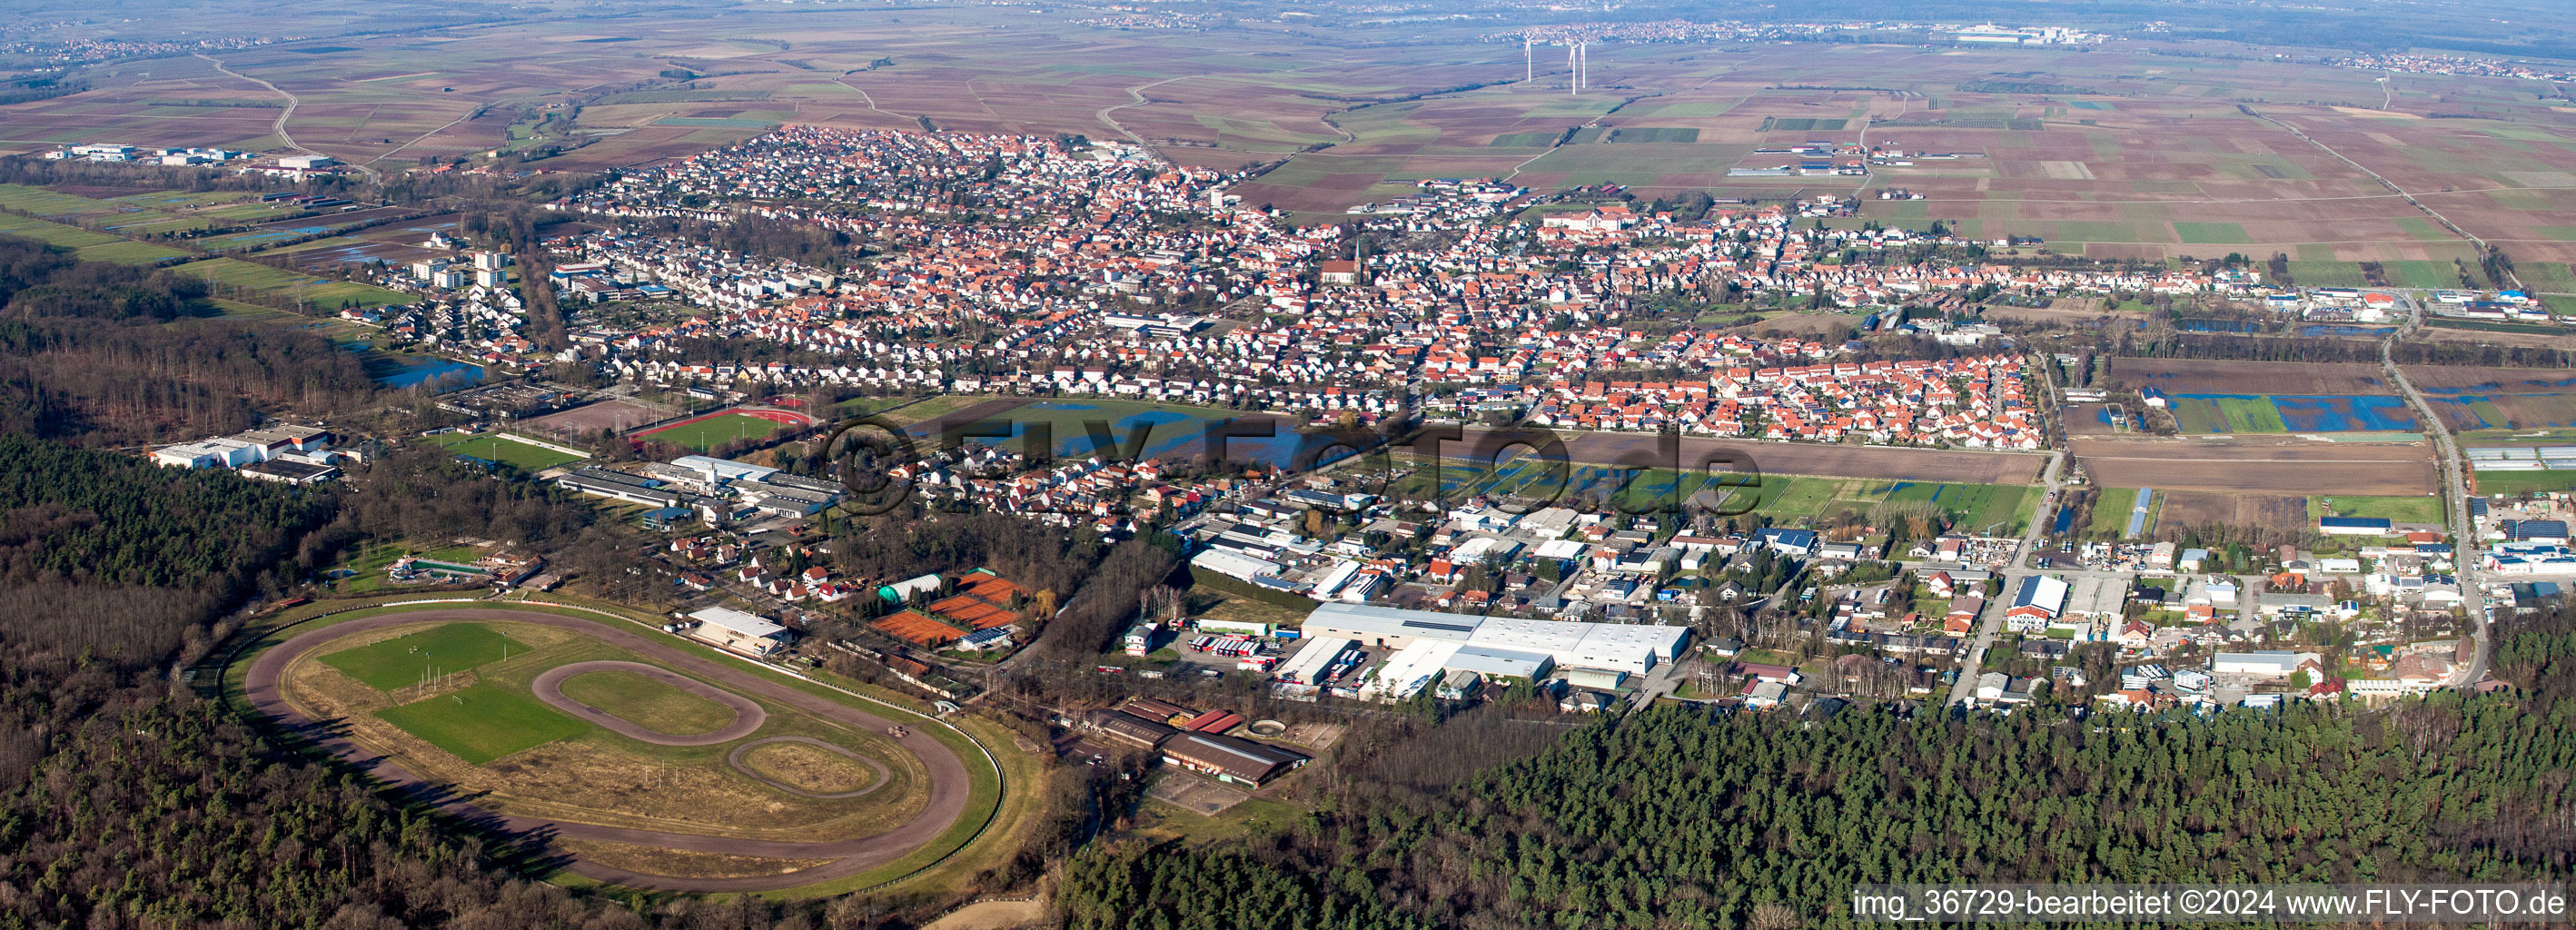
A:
{"x": 747, "y": 716}
{"x": 945, "y": 772}
{"x": 735, "y": 757}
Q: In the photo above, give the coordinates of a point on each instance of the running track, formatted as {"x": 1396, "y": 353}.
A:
{"x": 946, "y": 772}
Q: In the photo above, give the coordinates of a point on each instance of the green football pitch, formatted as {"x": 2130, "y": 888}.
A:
{"x": 404, "y": 661}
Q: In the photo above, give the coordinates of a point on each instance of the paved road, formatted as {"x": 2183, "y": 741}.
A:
{"x": 283, "y": 115}
{"x": 1992, "y": 624}
{"x": 2455, "y": 503}
{"x": 747, "y": 715}
{"x": 1137, "y": 92}
{"x": 947, "y": 775}
{"x": 2383, "y": 182}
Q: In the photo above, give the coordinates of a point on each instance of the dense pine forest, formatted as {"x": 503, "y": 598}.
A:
{"x": 1678, "y": 818}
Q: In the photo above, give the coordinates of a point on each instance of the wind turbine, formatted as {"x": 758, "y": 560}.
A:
{"x": 1574, "y": 79}
{"x": 1529, "y": 65}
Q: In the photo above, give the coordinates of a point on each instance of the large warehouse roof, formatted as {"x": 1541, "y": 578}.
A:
{"x": 739, "y": 622}
{"x": 1504, "y": 646}
{"x": 1373, "y": 622}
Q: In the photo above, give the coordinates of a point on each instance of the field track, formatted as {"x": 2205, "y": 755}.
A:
{"x": 946, "y": 772}
{"x": 747, "y": 716}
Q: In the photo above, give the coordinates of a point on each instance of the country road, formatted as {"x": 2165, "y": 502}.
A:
{"x": 2383, "y": 182}
{"x": 1137, "y": 92}
{"x": 949, "y": 782}
{"x": 2455, "y": 494}
{"x": 283, "y": 115}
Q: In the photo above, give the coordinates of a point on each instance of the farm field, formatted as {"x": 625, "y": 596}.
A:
{"x": 1783, "y": 458}
{"x": 2221, "y": 378}
{"x": 502, "y": 450}
{"x": 2147, "y": 156}
{"x": 2185, "y": 511}
{"x": 2262, "y": 465}
{"x": 2498, "y": 399}
{"x": 2266, "y": 413}
{"x": 1781, "y": 497}
{"x": 2111, "y": 508}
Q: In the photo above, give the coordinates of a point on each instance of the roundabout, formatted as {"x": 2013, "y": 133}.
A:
{"x": 593, "y": 736}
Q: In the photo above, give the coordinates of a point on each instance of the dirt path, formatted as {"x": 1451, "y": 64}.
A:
{"x": 747, "y": 715}
{"x": 947, "y": 775}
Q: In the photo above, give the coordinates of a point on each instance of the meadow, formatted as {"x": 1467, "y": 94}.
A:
{"x": 230, "y": 275}
{"x": 2419, "y": 509}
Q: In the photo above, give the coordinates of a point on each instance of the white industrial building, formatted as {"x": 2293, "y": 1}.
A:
{"x": 738, "y": 631}
{"x": 1234, "y": 565}
{"x": 2269, "y": 663}
{"x": 1501, "y": 647}
{"x": 1309, "y": 664}
{"x": 722, "y": 470}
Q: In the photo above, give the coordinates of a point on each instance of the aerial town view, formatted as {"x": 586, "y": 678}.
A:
{"x": 1476, "y": 464}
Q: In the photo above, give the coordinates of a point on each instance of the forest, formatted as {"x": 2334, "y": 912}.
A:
{"x": 1678, "y": 817}
{"x": 105, "y": 354}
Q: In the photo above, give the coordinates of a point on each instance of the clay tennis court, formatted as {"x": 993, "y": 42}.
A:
{"x": 918, "y": 628}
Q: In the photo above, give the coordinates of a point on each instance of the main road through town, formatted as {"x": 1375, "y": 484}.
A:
{"x": 946, "y": 772}
{"x": 1993, "y": 622}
